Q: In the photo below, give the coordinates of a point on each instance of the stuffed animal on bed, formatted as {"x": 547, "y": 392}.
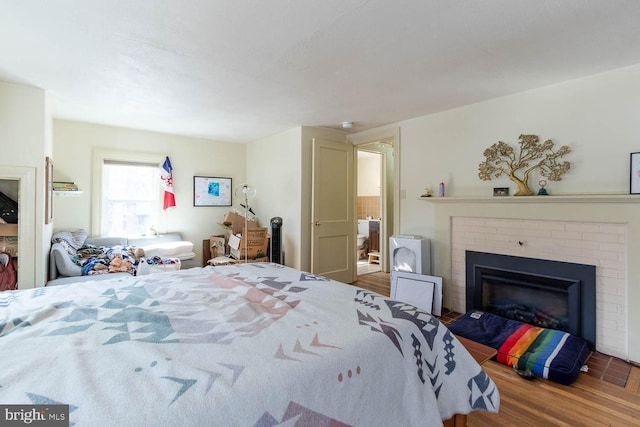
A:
{"x": 135, "y": 253}
{"x": 119, "y": 265}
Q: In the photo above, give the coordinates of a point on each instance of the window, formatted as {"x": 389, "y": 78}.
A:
{"x": 130, "y": 197}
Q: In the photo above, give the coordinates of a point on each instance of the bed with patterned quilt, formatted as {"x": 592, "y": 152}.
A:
{"x": 256, "y": 344}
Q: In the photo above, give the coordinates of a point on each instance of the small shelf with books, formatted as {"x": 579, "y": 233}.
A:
{"x": 68, "y": 193}
{"x": 65, "y": 188}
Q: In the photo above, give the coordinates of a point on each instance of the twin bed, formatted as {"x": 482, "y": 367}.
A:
{"x": 255, "y": 344}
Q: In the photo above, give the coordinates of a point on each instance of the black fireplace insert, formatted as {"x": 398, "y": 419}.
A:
{"x": 550, "y": 294}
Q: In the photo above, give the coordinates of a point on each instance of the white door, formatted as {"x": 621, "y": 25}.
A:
{"x": 333, "y": 247}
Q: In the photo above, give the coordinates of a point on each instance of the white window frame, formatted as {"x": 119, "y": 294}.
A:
{"x": 99, "y": 157}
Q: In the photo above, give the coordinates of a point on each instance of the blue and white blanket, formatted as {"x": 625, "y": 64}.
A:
{"x": 242, "y": 345}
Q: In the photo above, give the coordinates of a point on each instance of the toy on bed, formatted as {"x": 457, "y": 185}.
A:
{"x": 530, "y": 350}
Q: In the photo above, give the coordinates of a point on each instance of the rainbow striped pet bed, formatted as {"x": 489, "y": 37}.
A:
{"x": 546, "y": 353}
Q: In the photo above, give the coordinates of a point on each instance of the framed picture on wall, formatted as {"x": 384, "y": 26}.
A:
{"x": 634, "y": 172}
{"x": 211, "y": 191}
{"x": 48, "y": 174}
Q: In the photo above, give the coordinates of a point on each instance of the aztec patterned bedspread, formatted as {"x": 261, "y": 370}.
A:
{"x": 242, "y": 345}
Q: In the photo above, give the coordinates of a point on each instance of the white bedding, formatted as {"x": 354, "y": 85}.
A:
{"x": 242, "y": 345}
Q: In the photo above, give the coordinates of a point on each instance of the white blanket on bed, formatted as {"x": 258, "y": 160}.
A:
{"x": 241, "y": 345}
{"x": 179, "y": 249}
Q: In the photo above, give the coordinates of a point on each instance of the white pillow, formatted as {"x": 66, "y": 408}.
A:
{"x": 168, "y": 249}
{"x": 75, "y": 239}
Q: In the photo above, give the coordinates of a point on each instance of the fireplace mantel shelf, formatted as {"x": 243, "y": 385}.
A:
{"x": 573, "y": 198}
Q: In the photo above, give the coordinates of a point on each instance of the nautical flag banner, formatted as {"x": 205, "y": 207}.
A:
{"x": 167, "y": 184}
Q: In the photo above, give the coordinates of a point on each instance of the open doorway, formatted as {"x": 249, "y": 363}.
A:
{"x": 9, "y": 189}
{"x": 374, "y": 205}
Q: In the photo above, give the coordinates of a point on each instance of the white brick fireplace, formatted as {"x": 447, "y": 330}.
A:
{"x": 594, "y": 231}
{"x": 599, "y": 244}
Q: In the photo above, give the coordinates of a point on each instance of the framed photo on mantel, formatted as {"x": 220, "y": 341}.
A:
{"x": 500, "y": 191}
{"x": 634, "y": 174}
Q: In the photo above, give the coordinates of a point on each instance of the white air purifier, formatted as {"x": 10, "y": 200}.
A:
{"x": 410, "y": 253}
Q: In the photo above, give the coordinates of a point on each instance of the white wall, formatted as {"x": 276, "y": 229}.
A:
{"x": 279, "y": 167}
{"x": 74, "y": 142}
{"x": 597, "y": 117}
{"x": 369, "y": 174}
{"x": 274, "y": 169}
{"x": 25, "y": 142}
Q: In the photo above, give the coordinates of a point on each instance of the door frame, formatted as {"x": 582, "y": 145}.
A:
{"x": 388, "y": 226}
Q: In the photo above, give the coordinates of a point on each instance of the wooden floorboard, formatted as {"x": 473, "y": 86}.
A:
{"x": 633, "y": 383}
{"x": 376, "y": 282}
{"x": 587, "y": 402}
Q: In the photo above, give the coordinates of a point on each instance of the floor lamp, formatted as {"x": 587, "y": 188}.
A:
{"x": 246, "y": 193}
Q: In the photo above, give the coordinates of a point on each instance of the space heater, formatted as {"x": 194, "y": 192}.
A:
{"x": 275, "y": 244}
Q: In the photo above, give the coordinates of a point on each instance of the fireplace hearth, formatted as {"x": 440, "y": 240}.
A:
{"x": 550, "y": 294}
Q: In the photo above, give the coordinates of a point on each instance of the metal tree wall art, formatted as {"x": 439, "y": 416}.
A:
{"x": 501, "y": 158}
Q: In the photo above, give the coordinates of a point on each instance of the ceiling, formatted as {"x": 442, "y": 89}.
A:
{"x": 241, "y": 70}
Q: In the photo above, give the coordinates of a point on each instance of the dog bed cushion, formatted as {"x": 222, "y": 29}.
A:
{"x": 547, "y": 353}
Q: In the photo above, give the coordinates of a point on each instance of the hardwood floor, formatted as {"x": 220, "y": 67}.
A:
{"x": 587, "y": 402}
{"x": 377, "y": 282}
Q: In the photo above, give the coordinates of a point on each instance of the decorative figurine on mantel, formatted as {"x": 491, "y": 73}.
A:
{"x": 501, "y": 158}
{"x": 427, "y": 191}
{"x": 542, "y": 191}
